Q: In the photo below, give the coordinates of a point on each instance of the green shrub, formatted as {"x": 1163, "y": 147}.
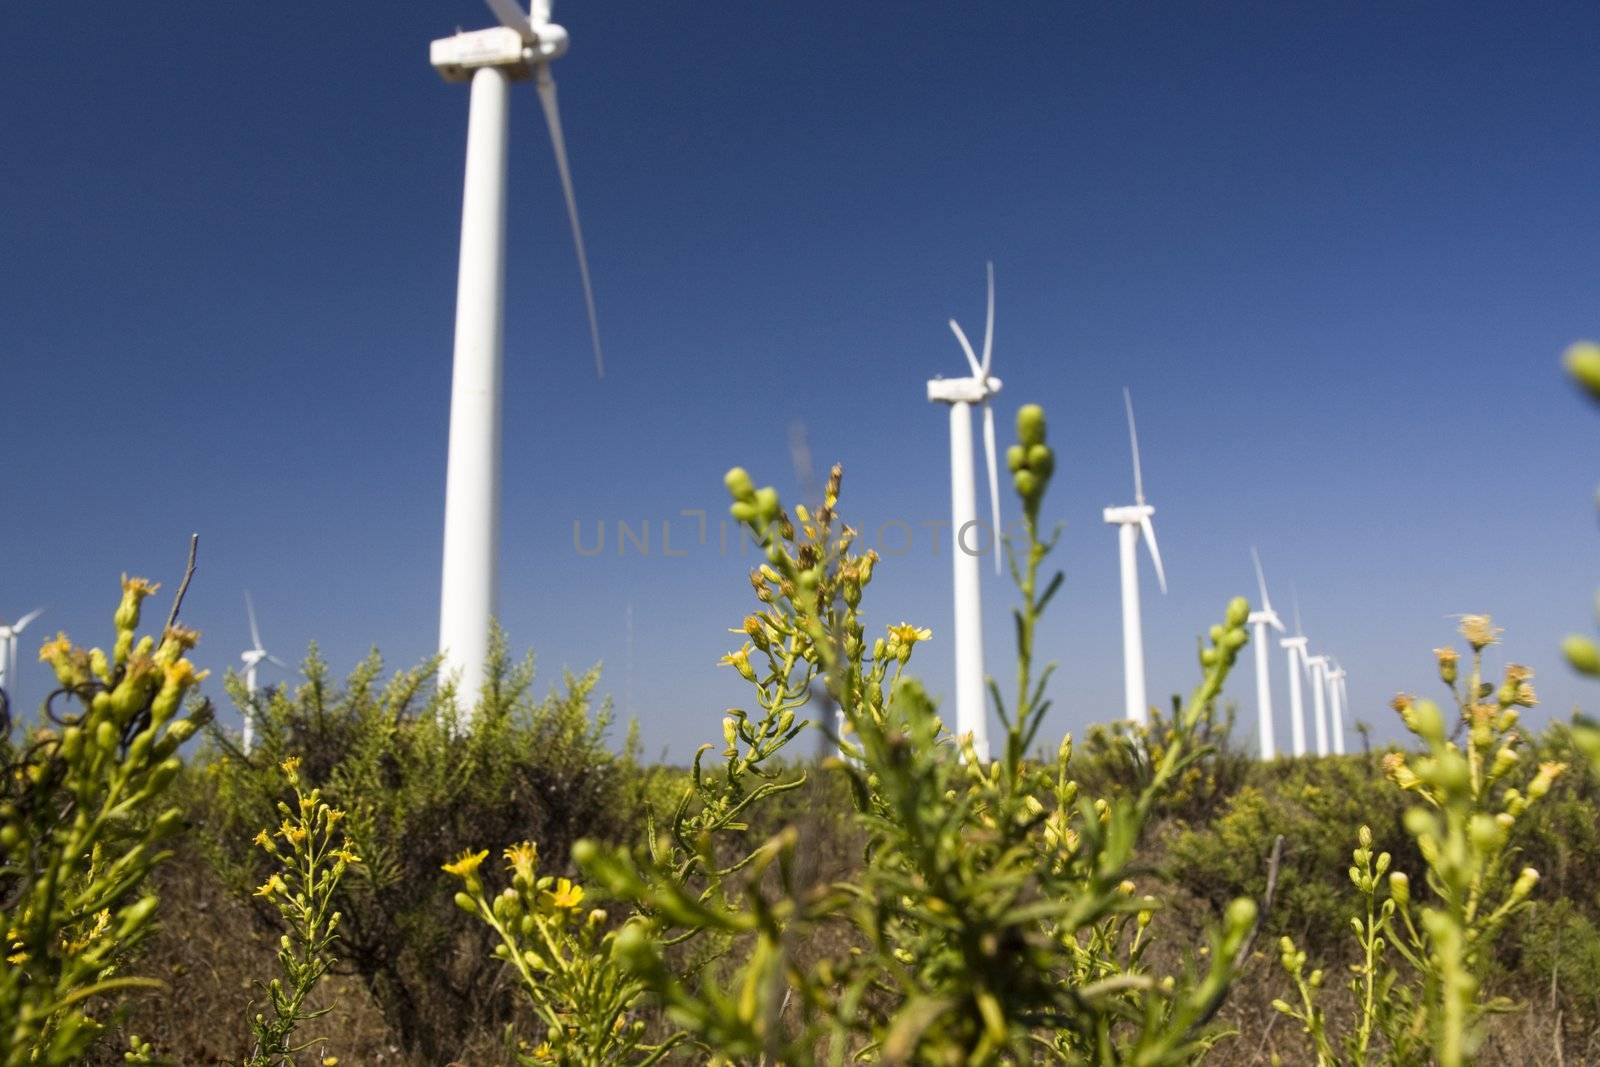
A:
{"x": 416, "y": 776}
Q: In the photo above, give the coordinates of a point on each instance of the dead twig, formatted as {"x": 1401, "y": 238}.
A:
{"x": 183, "y": 587}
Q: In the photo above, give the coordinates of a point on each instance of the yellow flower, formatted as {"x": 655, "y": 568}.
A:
{"x": 292, "y": 833}
{"x": 139, "y": 586}
{"x": 17, "y": 958}
{"x": 330, "y": 1061}
{"x": 523, "y": 858}
{"x": 566, "y": 896}
{"x": 290, "y": 766}
{"x": 55, "y": 647}
{"x": 907, "y": 635}
{"x": 739, "y": 661}
{"x": 263, "y": 840}
{"x": 270, "y": 886}
{"x": 344, "y": 853}
{"x": 1478, "y": 631}
{"x": 467, "y": 863}
{"x": 334, "y": 815}
{"x": 544, "y": 1053}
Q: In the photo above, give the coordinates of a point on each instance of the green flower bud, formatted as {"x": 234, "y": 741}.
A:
{"x": 1583, "y": 363}
{"x": 1582, "y": 654}
{"x": 1238, "y": 611}
{"x": 739, "y": 485}
{"x": 1041, "y": 460}
{"x": 1030, "y": 424}
{"x": 1026, "y": 484}
{"x": 1400, "y": 888}
{"x": 466, "y": 903}
{"x": 1428, "y": 722}
{"x": 1016, "y": 458}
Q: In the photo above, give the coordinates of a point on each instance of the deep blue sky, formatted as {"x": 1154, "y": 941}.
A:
{"x": 1335, "y": 252}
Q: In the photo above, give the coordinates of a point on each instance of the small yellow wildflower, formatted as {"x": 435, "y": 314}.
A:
{"x": 55, "y": 647}
{"x": 270, "y": 886}
{"x": 566, "y": 896}
{"x": 292, "y": 833}
{"x": 139, "y": 586}
{"x": 263, "y": 840}
{"x": 330, "y": 1061}
{"x": 290, "y": 766}
{"x": 344, "y": 854}
{"x": 467, "y": 863}
{"x": 334, "y": 815}
{"x": 17, "y": 958}
{"x": 544, "y": 1053}
{"x": 739, "y": 661}
{"x": 907, "y": 635}
{"x": 523, "y": 858}
{"x": 1479, "y": 632}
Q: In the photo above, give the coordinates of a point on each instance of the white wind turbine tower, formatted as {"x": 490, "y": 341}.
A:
{"x": 1260, "y": 620}
{"x": 961, "y": 393}
{"x": 1318, "y": 666}
{"x": 1337, "y": 698}
{"x": 9, "y": 679}
{"x": 1296, "y": 647}
{"x": 253, "y": 658}
{"x": 1132, "y": 522}
{"x": 523, "y": 46}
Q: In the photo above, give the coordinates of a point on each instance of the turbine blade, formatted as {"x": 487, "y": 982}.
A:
{"x": 255, "y": 632}
{"x": 1133, "y": 438}
{"x": 1261, "y": 582}
{"x": 22, "y": 623}
{"x": 511, "y": 16}
{"x": 994, "y": 481}
{"x": 1294, "y": 594}
{"x": 552, "y": 115}
{"x": 988, "y": 329}
{"x": 539, "y": 12}
{"x": 275, "y": 660}
{"x": 1155, "y": 553}
{"x": 966, "y": 346}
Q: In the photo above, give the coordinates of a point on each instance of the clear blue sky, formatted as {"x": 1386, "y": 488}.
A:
{"x": 1335, "y": 252}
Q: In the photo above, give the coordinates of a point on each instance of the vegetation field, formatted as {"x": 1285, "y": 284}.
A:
{"x": 395, "y": 876}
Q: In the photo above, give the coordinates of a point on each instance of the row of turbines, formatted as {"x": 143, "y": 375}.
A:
{"x": 1134, "y": 523}
{"x": 522, "y": 48}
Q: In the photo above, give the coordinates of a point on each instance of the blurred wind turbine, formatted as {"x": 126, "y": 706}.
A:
{"x": 521, "y": 47}
{"x": 1296, "y": 647}
{"x": 1336, "y": 702}
{"x": 1318, "y": 665}
{"x": 9, "y": 679}
{"x": 1132, "y": 522}
{"x": 1260, "y": 620}
{"x": 961, "y": 393}
{"x": 253, "y": 657}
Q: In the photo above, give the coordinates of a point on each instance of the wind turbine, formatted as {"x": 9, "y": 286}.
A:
{"x": 1132, "y": 522}
{"x": 1336, "y": 700}
{"x": 253, "y": 657}
{"x": 1318, "y": 665}
{"x": 523, "y": 46}
{"x": 961, "y": 394}
{"x": 1296, "y": 647}
{"x": 1260, "y": 620}
{"x": 9, "y": 679}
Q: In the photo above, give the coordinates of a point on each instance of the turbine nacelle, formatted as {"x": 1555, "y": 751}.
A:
{"x": 962, "y": 390}
{"x": 1269, "y": 618}
{"x": 1296, "y": 643}
{"x": 1131, "y": 515}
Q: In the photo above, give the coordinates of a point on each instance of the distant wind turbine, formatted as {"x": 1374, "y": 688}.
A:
{"x": 10, "y": 680}
{"x": 961, "y": 393}
{"x": 522, "y": 46}
{"x": 1336, "y": 703}
{"x": 1260, "y": 620}
{"x": 1132, "y": 522}
{"x": 1318, "y": 665}
{"x": 253, "y": 657}
{"x": 1296, "y": 647}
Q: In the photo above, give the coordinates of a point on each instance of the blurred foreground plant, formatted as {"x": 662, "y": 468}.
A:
{"x": 82, "y": 818}
{"x": 995, "y": 920}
